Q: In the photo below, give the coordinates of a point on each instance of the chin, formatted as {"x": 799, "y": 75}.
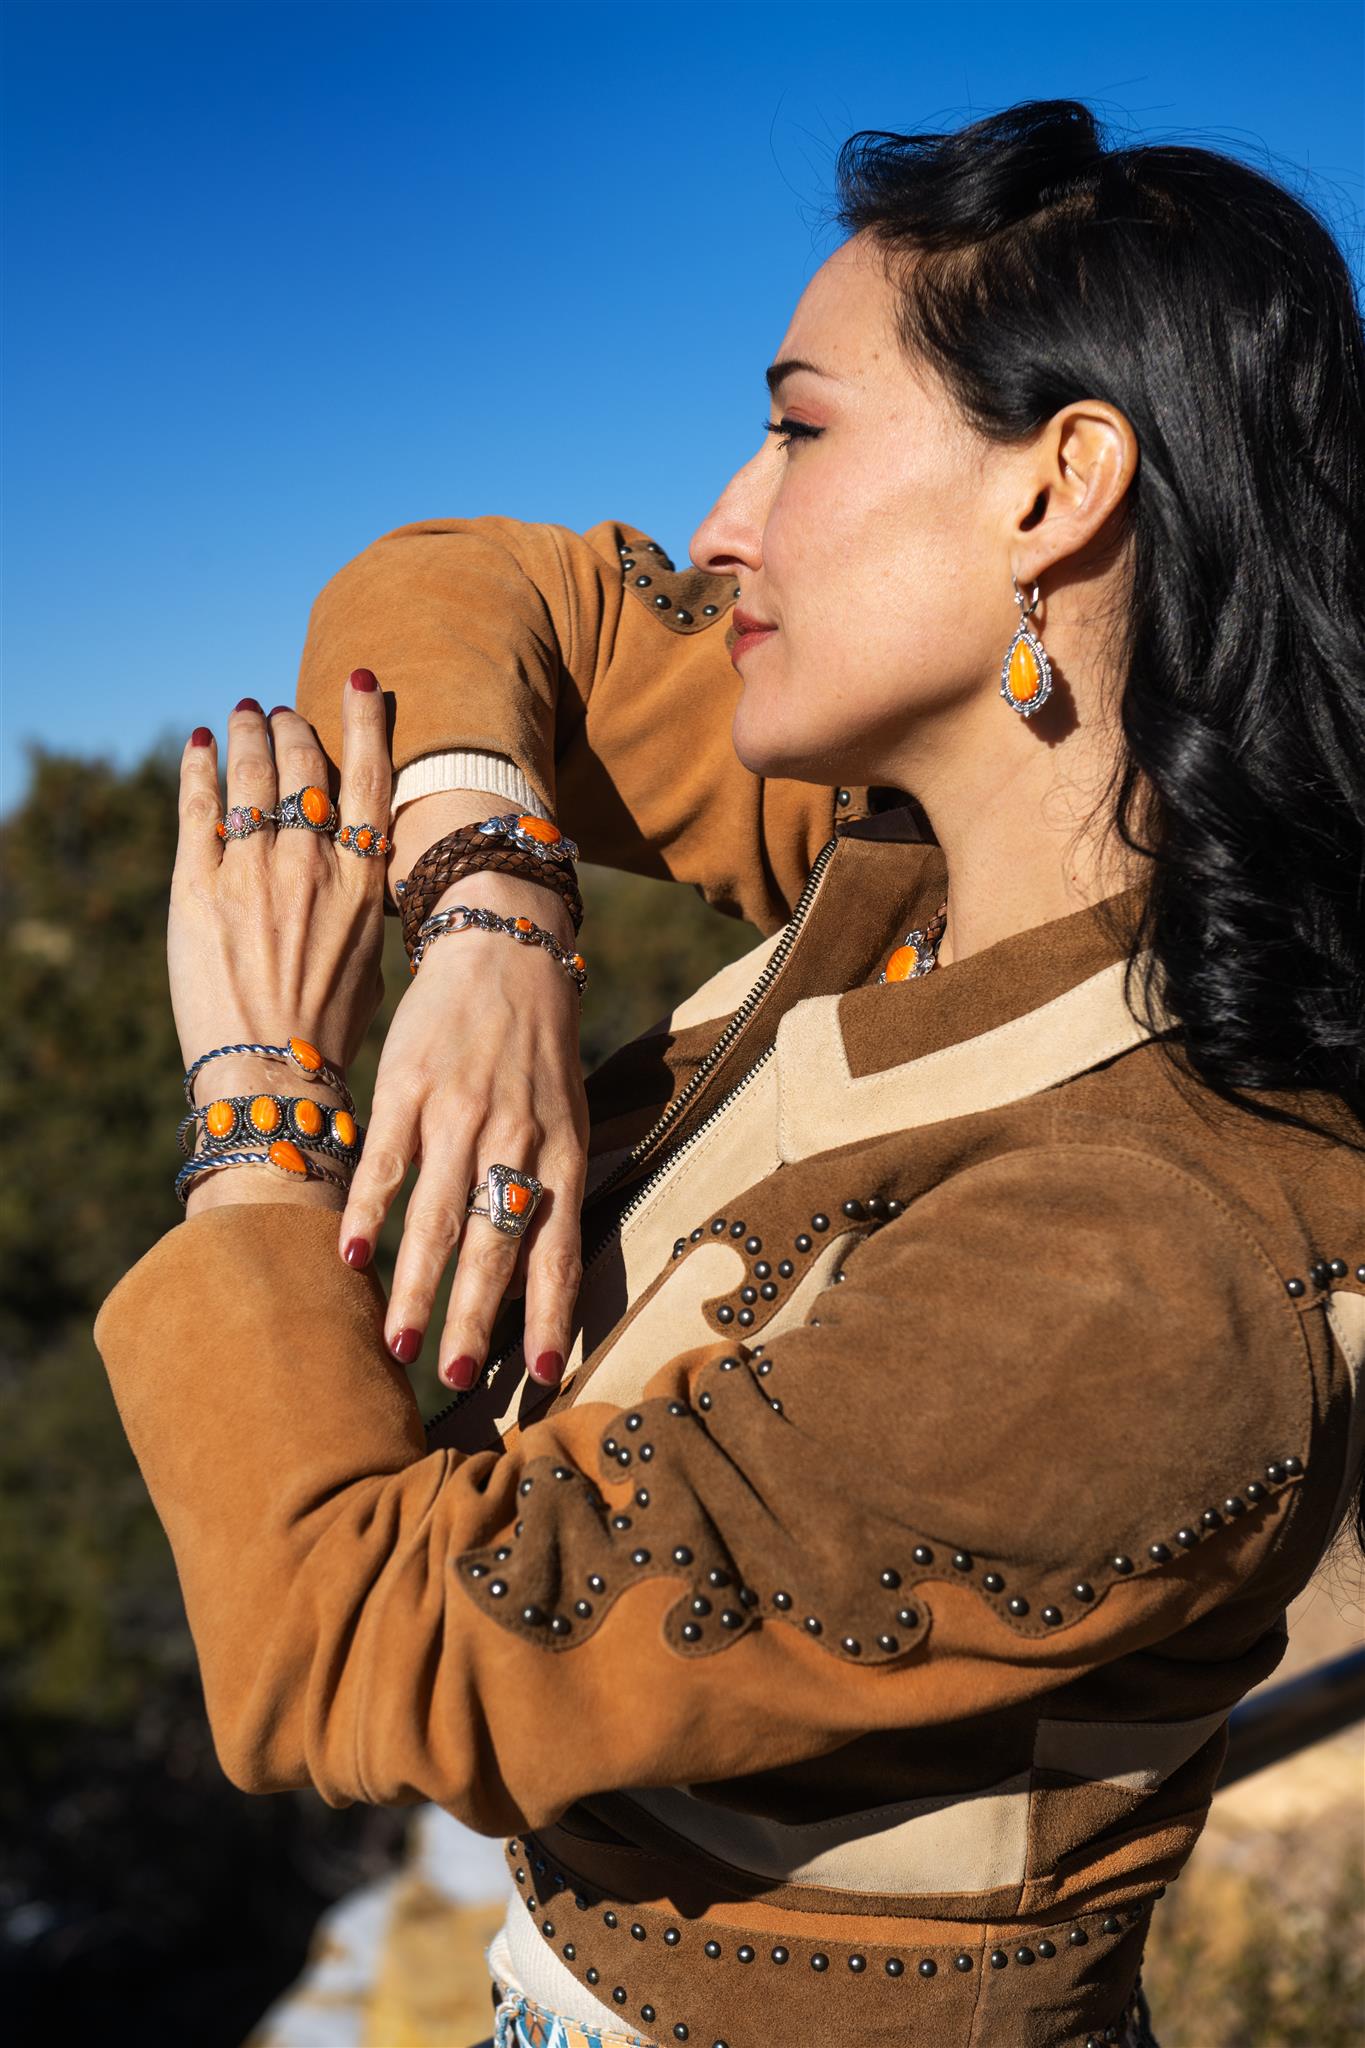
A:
{"x": 766, "y": 748}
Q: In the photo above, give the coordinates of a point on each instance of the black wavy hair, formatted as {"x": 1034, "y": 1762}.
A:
{"x": 1034, "y": 265}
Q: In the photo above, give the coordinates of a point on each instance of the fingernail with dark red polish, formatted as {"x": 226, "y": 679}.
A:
{"x": 201, "y": 737}
{"x": 406, "y": 1345}
{"x": 364, "y": 679}
{"x": 461, "y": 1373}
{"x": 548, "y": 1368}
{"x": 247, "y": 704}
{"x": 275, "y": 711}
{"x": 357, "y": 1252}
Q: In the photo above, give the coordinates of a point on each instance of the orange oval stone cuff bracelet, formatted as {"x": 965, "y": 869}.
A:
{"x": 231, "y": 1119}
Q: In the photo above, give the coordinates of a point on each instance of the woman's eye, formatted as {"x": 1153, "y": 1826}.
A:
{"x": 792, "y": 430}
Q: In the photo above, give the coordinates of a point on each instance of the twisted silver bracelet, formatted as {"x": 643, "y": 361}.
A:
{"x": 307, "y": 1169}
{"x": 298, "y": 1052}
{"x": 460, "y": 917}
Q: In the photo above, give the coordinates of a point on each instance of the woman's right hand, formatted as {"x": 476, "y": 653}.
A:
{"x": 480, "y": 1064}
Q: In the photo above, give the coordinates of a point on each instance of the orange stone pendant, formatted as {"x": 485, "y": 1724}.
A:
{"x": 902, "y": 964}
{"x": 1026, "y": 676}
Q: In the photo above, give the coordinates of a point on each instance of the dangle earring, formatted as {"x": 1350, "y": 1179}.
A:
{"x": 1026, "y": 674}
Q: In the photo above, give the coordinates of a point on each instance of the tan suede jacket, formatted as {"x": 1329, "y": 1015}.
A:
{"x": 959, "y": 1398}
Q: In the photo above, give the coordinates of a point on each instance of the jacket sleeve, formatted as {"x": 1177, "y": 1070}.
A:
{"x": 600, "y": 672}
{"x": 970, "y": 1478}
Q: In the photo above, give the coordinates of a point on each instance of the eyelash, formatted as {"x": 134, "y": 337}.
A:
{"x": 795, "y": 430}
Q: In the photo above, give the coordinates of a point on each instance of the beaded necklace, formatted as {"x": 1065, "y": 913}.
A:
{"x": 917, "y": 952}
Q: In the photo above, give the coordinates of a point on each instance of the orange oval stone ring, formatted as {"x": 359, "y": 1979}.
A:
{"x": 310, "y": 808}
{"x": 512, "y": 1199}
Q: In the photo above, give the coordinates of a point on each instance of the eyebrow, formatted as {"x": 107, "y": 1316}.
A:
{"x": 788, "y": 367}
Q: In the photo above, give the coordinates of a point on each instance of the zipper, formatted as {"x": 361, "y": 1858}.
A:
{"x": 778, "y": 959}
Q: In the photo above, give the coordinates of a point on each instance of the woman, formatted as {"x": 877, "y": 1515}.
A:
{"x": 842, "y": 1614}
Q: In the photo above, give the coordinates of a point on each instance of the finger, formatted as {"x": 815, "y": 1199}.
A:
{"x": 554, "y": 1275}
{"x": 299, "y": 764}
{"x": 390, "y": 1145}
{"x": 199, "y": 850}
{"x": 432, "y": 1224}
{"x": 366, "y": 774}
{"x": 250, "y": 771}
{"x": 487, "y": 1256}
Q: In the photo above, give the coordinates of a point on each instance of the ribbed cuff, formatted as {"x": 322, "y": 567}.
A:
{"x": 460, "y": 769}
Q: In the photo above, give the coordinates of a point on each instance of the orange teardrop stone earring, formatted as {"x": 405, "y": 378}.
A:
{"x": 1026, "y": 674}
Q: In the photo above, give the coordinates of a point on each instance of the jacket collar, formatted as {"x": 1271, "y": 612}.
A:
{"x": 1024, "y": 1014}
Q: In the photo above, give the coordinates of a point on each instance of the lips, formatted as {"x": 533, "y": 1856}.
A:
{"x": 746, "y": 631}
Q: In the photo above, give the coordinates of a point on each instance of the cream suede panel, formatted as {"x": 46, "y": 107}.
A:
{"x": 1136, "y": 1755}
{"x": 817, "y": 1276}
{"x": 945, "y": 1843}
{"x": 522, "y": 1960}
{"x": 1077, "y": 1030}
{"x": 670, "y": 1321}
{"x": 739, "y": 1149}
{"x": 1346, "y": 1320}
{"x": 718, "y": 999}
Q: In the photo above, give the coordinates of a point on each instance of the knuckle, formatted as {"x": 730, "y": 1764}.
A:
{"x": 382, "y": 1167}
{"x": 254, "y": 772}
{"x": 518, "y": 1137}
{"x": 368, "y": 782}
{"x": 200, "y": 807}
{"x": 299, "y": 766}
{"x": 561, "y": 1266}
{"x": 487, "y": 1254}
{"x": 434, "y": 1224}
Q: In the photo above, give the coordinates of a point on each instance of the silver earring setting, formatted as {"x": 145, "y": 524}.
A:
{"x": 1026, "y": 673}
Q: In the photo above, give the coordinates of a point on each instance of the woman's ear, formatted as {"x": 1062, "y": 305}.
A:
{"x": 1073, "y": 487}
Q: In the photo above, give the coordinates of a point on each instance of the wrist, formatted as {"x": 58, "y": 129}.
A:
{"x": 235, "y": 1185}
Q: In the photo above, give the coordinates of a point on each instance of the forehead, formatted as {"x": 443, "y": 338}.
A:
{"x": 844, "y": 320}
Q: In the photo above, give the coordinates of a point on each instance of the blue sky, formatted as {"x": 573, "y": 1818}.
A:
{"x": 281, "y": 276}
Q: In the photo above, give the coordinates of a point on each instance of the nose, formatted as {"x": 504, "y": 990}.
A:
{"x": 729, "y": 540}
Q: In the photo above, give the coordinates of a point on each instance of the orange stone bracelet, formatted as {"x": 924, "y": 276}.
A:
{"x": 297, "y": 1052}
{"x": 230, "y": 1118}
{"x": 282, "y": 1158}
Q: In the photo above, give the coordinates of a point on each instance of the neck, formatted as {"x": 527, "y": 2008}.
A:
{"x": 1010, "y": 812}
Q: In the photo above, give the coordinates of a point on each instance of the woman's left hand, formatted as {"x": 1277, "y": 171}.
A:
{"x": 279, "y": 934}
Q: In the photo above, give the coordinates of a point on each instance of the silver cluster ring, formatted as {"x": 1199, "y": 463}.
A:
{"x": 242, "y": 820}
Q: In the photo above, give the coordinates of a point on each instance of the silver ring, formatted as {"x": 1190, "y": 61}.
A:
{"x": 512, "y": 1199}
{"x": 294, "y": 808}
{"x": 242, "y": 820}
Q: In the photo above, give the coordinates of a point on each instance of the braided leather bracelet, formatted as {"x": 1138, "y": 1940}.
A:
{"x": 520, "y": 928}
{"x": 527, "y": 847}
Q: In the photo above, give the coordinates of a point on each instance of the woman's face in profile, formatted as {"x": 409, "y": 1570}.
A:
{"x": 876, "y": 542}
